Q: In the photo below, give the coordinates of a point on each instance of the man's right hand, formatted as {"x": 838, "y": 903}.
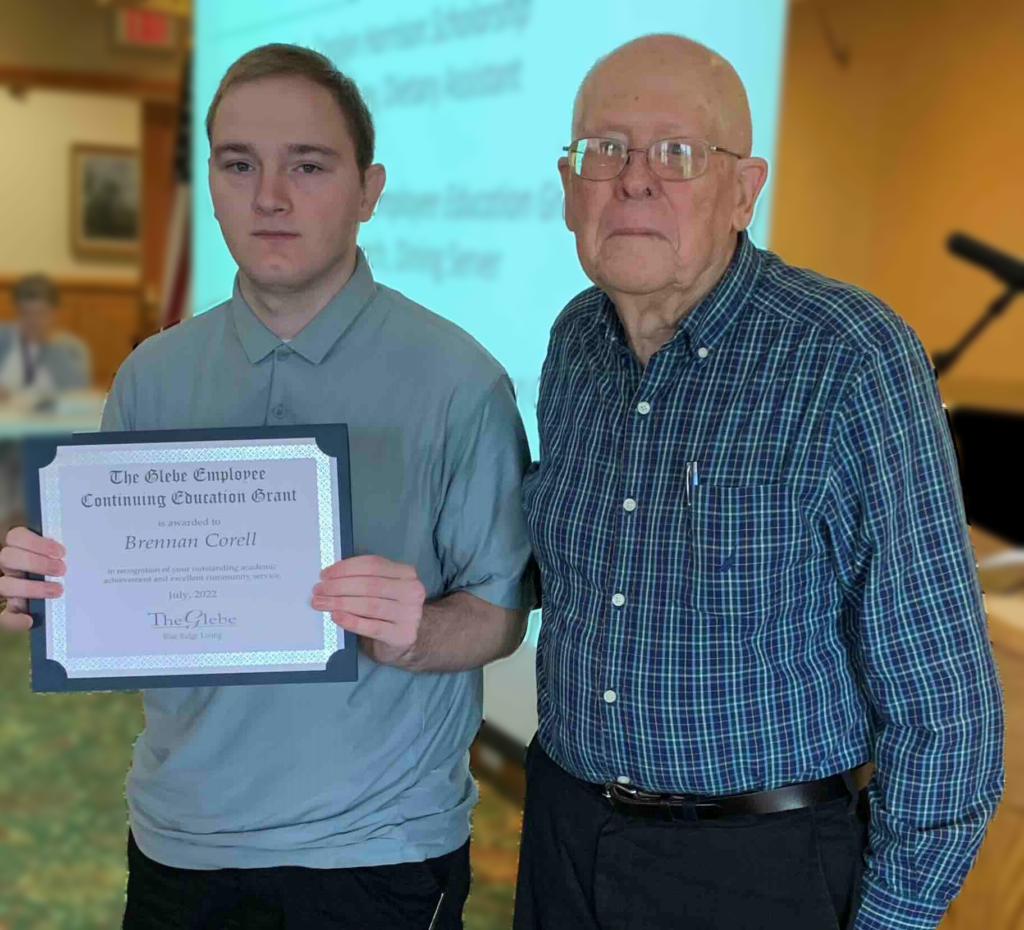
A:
{"x": 24, "y": 553}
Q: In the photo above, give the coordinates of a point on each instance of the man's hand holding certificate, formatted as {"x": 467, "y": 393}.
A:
{"x": 25, "y": 552}
{"x": 377, "y": 599}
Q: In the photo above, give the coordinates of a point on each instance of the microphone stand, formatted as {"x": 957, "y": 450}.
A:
{"x": 945, "y": 360}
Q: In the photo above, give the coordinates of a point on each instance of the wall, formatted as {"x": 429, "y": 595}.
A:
{"x": 918, "y": 137}
{"x": 39, "y": 130}
{"x": 73, "y": 35}
{"x": 877, "y": 163}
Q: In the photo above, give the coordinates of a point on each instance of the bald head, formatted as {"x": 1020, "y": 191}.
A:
{"x": 708, "y": 86}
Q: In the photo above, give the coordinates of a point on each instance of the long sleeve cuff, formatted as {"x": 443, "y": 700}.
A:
{"x": 880, "y": 909}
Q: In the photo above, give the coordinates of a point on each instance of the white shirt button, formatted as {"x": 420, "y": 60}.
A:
{"x": 618, "y": 599}
{"x": 702, "y": 352}
{"x": 610, "y": 696}
{"x": 629, "y": 505}
{"x": 643, "y": 408}
{"x": 623, "y": 779}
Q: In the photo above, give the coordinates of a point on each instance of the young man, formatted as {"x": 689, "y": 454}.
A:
{"x": 336, "y": 805}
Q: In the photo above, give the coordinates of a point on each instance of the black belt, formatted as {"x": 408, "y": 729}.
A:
{"x": 701, "y": 807}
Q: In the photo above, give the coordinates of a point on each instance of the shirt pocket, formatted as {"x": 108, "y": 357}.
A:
{"x": 750, "y": 547}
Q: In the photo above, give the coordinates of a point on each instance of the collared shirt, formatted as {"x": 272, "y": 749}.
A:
{"x": 62, "y": 364}
{"x": 20, "y": 369}
{"x": 338, "y": 774}
{"x": 805, "y": 603}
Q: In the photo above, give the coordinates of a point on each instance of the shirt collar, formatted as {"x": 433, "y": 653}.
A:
{"x": 321, "y": 333}
{"x": 704, "y": 325}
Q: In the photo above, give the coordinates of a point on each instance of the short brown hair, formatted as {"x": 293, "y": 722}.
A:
{"x": 36, "y": 287}
{"x": 282, "y": 60}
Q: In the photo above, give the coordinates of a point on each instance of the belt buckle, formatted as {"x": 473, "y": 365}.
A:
{"x": 630, "y": 795}
{"x": 613, "y": 791}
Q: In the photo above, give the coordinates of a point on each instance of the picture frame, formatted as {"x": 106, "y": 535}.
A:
{"x": 106, "y": 201}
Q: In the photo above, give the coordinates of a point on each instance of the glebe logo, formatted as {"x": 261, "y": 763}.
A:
{"x": 191, "y": 620}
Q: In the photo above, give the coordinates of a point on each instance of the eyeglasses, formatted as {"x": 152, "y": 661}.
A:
{"x": 669, "y": 159}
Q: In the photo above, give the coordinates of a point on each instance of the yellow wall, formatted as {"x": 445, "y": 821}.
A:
{"x": 75, "y": 35}
{"x": 922, "y": 135}
{"x": 39, "y": 130}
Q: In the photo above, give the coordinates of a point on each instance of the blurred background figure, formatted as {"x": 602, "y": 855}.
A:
{"x": 37, "y": 363}
{"x": 35, "y": 357}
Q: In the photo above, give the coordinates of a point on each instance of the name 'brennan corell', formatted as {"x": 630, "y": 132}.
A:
{"x": 213, "y": 541}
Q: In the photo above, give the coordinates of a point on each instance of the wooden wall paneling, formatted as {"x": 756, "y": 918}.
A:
{"x": 88, "y": 82}
{"x": 159, "y": 135}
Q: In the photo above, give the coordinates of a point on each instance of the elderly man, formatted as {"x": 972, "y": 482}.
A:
{"x": 757, "y": 576}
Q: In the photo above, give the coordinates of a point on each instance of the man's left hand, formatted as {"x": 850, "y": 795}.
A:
{"x": 377, "y": 599}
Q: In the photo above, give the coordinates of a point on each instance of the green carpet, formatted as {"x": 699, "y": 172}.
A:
{"x": 63, "y": 821}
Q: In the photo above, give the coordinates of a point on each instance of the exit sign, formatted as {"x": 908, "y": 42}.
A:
{"x": 145, "y": 28}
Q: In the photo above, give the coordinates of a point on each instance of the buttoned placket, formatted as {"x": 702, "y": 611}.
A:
{"x": 277, "y": 410}
{"x": 636, "y": 424}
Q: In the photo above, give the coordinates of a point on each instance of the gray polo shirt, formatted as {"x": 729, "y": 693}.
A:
{"x": 339, "y": 774}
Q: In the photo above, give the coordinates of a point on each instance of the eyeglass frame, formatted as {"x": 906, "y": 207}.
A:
{"x": 647, "y": 153}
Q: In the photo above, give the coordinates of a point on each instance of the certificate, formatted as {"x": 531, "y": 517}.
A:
{"x": 191, "y": 557}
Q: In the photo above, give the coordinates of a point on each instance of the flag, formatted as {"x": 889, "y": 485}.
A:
{"x": 176, "y": 299}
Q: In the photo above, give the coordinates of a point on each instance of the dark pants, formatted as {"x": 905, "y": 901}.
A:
{"x": 389, "y": 897}
{"x": 585, "y": 866}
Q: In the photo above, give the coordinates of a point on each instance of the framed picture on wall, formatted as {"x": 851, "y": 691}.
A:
{"x": 106, "y": 198}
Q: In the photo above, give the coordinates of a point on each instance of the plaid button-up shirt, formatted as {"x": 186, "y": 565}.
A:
{"x": 756, "y": 569}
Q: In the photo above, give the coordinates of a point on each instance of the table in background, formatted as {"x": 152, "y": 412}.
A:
{"x": 76, "y": 412}
{"x": 993, "y": 895}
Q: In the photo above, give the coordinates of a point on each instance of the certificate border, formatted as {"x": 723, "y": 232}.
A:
{"x": 191, "y": 454}
{"x": 38, "y": 452}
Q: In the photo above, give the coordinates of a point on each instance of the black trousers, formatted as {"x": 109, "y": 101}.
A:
{"x": 388, "y": 897}
{"x": 586, "y": 866}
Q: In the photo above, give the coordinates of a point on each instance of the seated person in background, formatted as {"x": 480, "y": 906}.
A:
{"x": 34, "y": 357}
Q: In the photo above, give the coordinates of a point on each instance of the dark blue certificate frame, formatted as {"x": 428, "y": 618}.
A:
{"x": 49, "y": 675}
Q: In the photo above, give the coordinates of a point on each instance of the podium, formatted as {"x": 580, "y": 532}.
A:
{"x": 987, "y": 441}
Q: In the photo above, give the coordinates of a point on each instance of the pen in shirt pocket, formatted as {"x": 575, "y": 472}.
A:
{"x": 692, "y": 481}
